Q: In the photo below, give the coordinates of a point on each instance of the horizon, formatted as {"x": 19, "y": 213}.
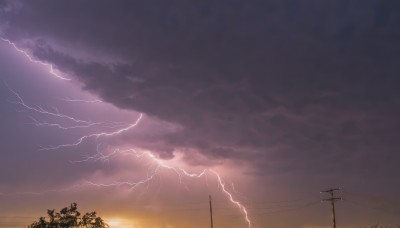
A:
{"x": 141, "y": 110}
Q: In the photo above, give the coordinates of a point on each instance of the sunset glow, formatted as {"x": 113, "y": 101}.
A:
{"x": 236, "y": 114}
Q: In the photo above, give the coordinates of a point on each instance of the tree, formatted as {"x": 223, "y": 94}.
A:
{"x": 69, "y": 217}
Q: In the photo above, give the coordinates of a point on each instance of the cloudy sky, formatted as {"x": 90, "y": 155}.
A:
{"x": 141, "y": 109}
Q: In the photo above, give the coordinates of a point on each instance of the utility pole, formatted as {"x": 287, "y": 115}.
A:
{"x": 212, "y": 225}
{"x": 332, "y": 199}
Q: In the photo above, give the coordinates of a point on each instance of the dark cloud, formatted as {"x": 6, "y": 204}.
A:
{"x": 296, "y": 83}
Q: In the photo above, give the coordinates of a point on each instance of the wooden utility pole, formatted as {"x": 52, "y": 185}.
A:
{"x": 332, "y": 199}
{"x": 212, "y": 225}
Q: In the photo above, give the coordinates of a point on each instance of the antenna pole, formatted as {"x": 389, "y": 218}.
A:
{"x": 332, "y": 199}
{"x": 212, "y": 225}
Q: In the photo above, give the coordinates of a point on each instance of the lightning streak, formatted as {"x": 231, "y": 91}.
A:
{"x": 48, "y": 65}
{"x": 41, "y": 110}
{"x": 161, "y": 164}
{"x": 56, "y": 113}
{"x": 96, "y": 135}
{"x": 153, "y": 170}
{"x": 46, "y": 124}
{"x": 100, "y": 156}
{"x": 111, "y": 125}
{"x": 84, "y": 101}
{"x": 237, "y": 203}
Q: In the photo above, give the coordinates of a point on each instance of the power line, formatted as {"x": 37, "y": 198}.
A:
{"x": 363, "y": 205}
{"x": 283, "y": 210}
{"x": 371, "y": 198}
{"x": 263, "y": 207}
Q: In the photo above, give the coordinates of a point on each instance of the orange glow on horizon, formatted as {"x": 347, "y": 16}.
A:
{"x": 119, "y": 223}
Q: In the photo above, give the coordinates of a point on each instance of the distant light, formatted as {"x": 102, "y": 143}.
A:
{"x": 118, "y": 223}
{"x": 114, "y": 222}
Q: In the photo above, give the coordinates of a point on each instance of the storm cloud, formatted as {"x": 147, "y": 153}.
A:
{"x": 287, "y": 89}
{"x": 277, "y": 80}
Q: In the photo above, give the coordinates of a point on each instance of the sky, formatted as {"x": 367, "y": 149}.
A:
{"x": 140, "y": 110}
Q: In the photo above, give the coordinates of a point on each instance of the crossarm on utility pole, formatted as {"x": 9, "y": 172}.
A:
{"x": 332, "y": 199}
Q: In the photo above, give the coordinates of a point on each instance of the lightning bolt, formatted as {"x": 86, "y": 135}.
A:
{"x": 156, "y": 164}
{"x": 56, "y": 113}
{"x": 41, "y": 110}
{"x": 100, "y": 156}
{"x": 95, "y": 135}
{"x": 52, "y": 71}
{"x": 84, "y": 101}
{"x": 46, "y": 124}
{"x": 237, "y": 203}
{"x": 161, "y": 164}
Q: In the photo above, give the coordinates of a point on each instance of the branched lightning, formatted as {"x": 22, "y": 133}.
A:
{"x": 46, "y": 124}
{"x": 41, "y": 110}
{"x": 78, "y": 123}
{"x": 83, "y": 101}
{"x": 99, "y": 156}
{"x": 95, "y": 135}
{"x": 48, "y": 65}
{"x": 237, "y": 203}
{"x": 110, "y": 125}
{"x": 157, "y": 165}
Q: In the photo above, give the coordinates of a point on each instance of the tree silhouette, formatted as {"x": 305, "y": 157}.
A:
{"x": 69, "y": 217}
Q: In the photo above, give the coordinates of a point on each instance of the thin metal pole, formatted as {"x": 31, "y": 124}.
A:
{"x": 332, "y": 199}
{"x": 333, "y": 210}
{"x": 212, "y": 225}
